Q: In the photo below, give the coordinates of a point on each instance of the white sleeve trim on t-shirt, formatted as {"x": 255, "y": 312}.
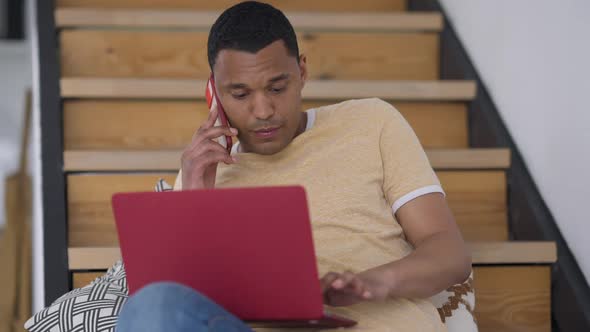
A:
{"x": 415, "y": 194}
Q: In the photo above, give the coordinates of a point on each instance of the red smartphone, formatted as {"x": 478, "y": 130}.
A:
{"x": 212, "y": 100}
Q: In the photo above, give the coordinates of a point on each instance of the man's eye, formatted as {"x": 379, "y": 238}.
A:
{"x": 277, "y": 90}
{"x": 239, "y": 95}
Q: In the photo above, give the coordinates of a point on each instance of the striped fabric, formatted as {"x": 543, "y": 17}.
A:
{"x": 456, "y": 306}
{"x": 93, "y": 308}
{"x": 162, "y": 186}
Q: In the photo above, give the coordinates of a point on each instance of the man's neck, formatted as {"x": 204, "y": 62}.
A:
{"x": 302, "y": 124}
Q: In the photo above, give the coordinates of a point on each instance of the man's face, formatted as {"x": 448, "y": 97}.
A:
{"x": 261, "y": 95}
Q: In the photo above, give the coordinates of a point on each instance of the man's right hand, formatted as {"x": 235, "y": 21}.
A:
{"x": 199, "y": 160}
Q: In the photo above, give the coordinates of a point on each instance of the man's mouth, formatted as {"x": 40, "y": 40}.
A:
{"x": 267, "y": 132}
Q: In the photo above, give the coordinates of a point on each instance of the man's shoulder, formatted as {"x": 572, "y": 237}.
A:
{"x": 366, "y": 109}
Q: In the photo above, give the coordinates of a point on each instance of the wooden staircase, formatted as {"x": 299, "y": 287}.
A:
{"x": 132, "y": 84}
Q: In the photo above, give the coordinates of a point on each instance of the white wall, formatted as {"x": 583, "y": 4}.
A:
{"x": 534, "y": 57}
{"x": 15, "y": 77}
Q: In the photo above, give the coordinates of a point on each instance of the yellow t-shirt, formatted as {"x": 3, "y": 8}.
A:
{"x": 359, "y": 161}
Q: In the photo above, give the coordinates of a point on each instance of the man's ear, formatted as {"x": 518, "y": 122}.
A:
{"x": 303, "y": 69}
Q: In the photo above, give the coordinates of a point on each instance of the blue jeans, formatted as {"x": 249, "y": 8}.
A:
{"x": 168, "y": 306}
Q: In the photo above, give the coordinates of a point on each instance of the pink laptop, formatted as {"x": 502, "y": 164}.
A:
{"x": 239, "y": 247}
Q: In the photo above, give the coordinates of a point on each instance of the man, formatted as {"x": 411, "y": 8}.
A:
{"x": 384, "y": 236}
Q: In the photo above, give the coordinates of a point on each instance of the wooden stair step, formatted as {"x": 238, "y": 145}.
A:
{"x": 106, "y": 124}
{"x": 474, "y": 158}
{"x": 113, "y": 160}
{"x": 301, "y": 21}
{"x": 315, "y": 89}
{"x": 513, "y": 298}
{"x": 494, "y": 253}
{"x": 173, "y": 53}
{"x": 478, "y": 201}
{"x": 286, "y": 5}
{"x": 513, "y": 252}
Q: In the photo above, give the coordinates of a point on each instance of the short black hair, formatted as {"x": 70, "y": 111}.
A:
{"x": 250, "y": 26}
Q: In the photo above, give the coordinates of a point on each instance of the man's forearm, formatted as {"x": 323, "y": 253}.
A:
{"x": 438, "y": 262}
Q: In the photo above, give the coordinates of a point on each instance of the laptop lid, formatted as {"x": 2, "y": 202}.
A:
{"x": 248, "y": 249}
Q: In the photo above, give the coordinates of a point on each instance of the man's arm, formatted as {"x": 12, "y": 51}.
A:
{"x": 440, "y": 259}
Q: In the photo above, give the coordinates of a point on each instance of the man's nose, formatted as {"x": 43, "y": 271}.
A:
{"x": 263, "y": 108}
